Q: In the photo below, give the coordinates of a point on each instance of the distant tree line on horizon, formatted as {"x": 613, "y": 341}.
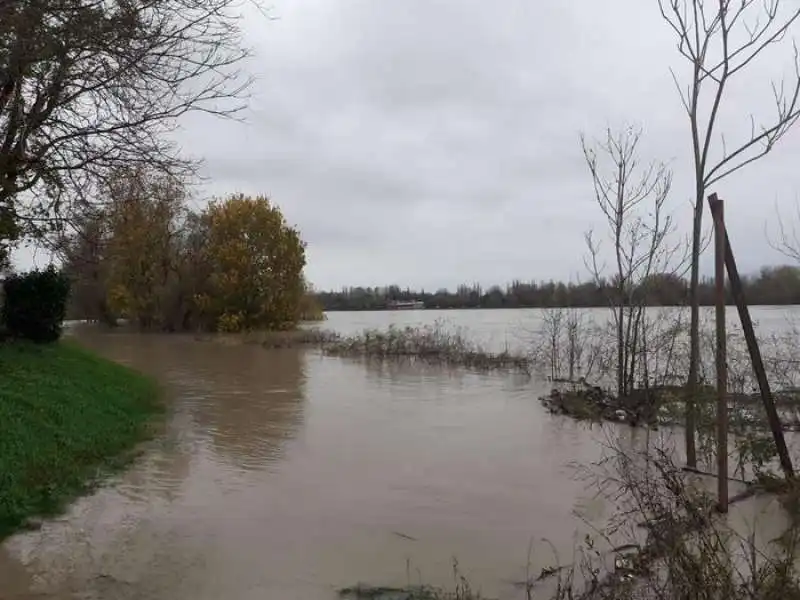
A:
{"x": 779, "y": 285}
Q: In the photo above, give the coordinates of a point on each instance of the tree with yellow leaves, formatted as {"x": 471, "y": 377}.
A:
{"x": 143, "y": 216}
{"x": 255, "y": 260}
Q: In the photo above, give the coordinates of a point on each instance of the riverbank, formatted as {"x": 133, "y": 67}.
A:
{"x": 68, "y": 417}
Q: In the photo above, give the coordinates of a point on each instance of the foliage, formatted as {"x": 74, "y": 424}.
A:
{"x": 256, "y": 263}
{"x": 310, "y": 308}
{"x": 35, "y": 304}
{"x": 149, "y": 258}
{"x": 65, "y": 413}
{"x": 143, "y": 216}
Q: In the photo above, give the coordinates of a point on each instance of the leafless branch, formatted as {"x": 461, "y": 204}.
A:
{"x": 631, "y": 196}
{"x": 87, "y": 88}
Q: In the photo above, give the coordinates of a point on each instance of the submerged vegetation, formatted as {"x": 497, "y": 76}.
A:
{"x": 302, "y": 336}
{"x": 68, "y": 417}
{"x": 576, "y": 355}
{"x": 434, "y": 344}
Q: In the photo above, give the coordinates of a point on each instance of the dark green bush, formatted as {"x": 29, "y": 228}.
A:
{"x": 34, "y": 305}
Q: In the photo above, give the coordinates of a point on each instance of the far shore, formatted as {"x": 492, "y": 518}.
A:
{"x": 601, "y": 306}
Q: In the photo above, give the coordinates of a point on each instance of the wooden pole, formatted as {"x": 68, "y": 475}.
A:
{"x": 755, "y": 355}
{"x": 717, "y": 211}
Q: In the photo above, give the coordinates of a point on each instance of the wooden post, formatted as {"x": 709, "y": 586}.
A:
{"x": 755, "y": 355}
{"x": 721, "y": 356}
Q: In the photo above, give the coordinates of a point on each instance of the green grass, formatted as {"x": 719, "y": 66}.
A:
{"x": 67, "y": 417}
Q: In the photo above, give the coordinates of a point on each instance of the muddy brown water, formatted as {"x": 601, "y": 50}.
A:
{"x": 286, "y": 474}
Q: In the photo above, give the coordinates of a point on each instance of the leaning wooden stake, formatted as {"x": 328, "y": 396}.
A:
{"x": 755, "y": 353}
{"x": 721, "y": 356}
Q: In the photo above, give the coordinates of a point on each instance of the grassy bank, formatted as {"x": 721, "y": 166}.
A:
{"x": 66, "y": 418}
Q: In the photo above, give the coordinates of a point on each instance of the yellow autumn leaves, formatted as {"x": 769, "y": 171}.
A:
{"x": 235, "y": 265}
{"x": 255, "y": 261}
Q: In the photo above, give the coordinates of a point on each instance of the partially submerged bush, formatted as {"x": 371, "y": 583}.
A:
{"x": 35, "y": 304}
{"x": 275, "y": 339}
{"x": 310, "y": 308}
{"x": 433, "y": 343}
{"x": 660, "y": 405}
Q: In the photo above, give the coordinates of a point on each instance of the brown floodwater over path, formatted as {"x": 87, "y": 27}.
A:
{"x": 286, "y": 474}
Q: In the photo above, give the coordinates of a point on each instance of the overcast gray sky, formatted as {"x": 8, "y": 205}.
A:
{"x": 433, "y": 142}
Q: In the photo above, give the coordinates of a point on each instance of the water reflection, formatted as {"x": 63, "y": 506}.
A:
{"x": 400, "y": 373}
{"x": 246, "y": 400}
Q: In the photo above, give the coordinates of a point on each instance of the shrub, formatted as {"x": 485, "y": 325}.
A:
{"x": 35, "y": 304}
{"x": 254, "y": 261}
{"x": 310, "y": 308}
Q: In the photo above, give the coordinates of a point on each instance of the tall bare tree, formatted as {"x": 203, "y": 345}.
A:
{"x": 721, "y": 40}
{"x": 631, "y": 196}
{"x": 91, "y": 86}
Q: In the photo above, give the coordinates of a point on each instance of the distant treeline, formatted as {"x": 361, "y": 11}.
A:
{"x": 771, "y": 286}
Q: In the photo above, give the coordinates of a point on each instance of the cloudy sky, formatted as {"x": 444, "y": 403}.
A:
{"x": 433, "y": 142}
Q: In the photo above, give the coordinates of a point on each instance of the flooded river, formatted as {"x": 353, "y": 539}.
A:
{"x": 286, "y": 474}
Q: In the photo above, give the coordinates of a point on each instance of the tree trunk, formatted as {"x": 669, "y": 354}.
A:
{"x": 694, "y": 333}
{"x": 621, "y": 350}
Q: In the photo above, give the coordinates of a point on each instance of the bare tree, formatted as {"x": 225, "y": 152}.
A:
{"x": 631, "y": 196}
{"x": 721, "y": 40}
{"x": 566, "y": 347}
{"x": 90, "y": 86}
